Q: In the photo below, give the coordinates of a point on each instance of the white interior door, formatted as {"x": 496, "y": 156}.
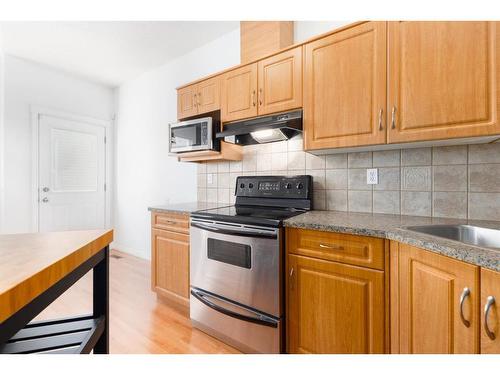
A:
{"x": 71, "y": 175}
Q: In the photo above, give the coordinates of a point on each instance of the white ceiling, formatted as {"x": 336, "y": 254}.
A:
{"x": 108, "y": 52}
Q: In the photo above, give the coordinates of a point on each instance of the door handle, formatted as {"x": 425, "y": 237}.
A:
{"x": 199, "y": 98}
{"x": 291, "y": 278}
{"x": 380, "y": 113}
{"x": 253, "y": 98}
{"x": 463, "y": 296}
{"x": 261, "y": 95}
{"x": 195, "y": 100}
{"x": 258, "y": 319}
{"x": 45, "y": 189}
{"x": 393, "y": 118}
{"x": 45, "y": 200}
{"x": 490, "y": 301}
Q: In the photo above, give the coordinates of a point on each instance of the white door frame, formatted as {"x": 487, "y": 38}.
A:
{"x": 36, "y": 112}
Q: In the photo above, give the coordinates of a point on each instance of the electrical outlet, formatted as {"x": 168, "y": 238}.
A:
{"x": 210, "y": 179}
{"x": 372, "y": 176}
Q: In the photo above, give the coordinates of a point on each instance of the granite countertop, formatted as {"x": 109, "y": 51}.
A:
{"x": 389, "y": 226}
{"x": 185, "y": 208}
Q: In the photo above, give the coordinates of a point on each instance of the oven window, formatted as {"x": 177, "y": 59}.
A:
{"x": 230, "y": 252}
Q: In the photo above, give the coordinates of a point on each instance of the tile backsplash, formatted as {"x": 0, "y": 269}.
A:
{"x": 452, "y": 181}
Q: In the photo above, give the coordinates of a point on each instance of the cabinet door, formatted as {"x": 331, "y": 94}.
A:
{"x": 345, "y": 88}
{"x": 490, "y": 287}
{"x": 239, "y": 93}
{"x": 208, "y": 95}
{"x": 334, "y": 308}
{"x": 187, "y": 102}
{"x": 170, "y": 265}
{"x": 280, "y": 82}
{"x": 429, "y": 289}
{"x": 443, "y": 80}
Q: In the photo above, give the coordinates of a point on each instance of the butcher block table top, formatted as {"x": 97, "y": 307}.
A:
{"x": 31, "y": 263}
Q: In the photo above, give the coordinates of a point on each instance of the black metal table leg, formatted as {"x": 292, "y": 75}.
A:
{"x": 101, "y": 301}
{"x": 69, "y": 335}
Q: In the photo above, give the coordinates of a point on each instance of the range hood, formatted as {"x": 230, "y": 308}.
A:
{"x": 265, "y": 129}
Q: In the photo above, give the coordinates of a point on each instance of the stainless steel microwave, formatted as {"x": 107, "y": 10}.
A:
{"x": 193, "y": 135}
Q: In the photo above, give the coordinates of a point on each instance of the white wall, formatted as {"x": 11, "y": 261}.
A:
{"x": 145, "y": 174}
{"x": 304, "y": 30}
{"x": 29, "y": 84}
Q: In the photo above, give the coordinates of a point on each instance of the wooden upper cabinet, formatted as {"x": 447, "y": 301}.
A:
{"x": 430, "y": 288}
{"x": 239, "y": 93}
{"x": 187, "y": 102}
{"x": 490, "y": 287}
{"x": 280, "y": 82}
{"x": 443, "y": 80}
{"x": 334, "y": 308}
{"x": 208, "y": 95}
{"x": 198, "y": 98}
{"x": 345, "y": 88}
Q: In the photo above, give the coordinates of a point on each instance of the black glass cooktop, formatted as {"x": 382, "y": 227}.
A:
{"x": 257, "y": 215}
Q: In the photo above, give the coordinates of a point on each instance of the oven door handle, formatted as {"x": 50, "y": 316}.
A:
{"x": 259, "y": 319}
{"x": 235, "y": 232}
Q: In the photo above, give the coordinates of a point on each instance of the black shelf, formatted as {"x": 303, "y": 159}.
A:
{"x": 77, "y": 335}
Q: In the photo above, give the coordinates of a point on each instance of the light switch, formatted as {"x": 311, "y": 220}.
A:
{"x": 372, "y": 176}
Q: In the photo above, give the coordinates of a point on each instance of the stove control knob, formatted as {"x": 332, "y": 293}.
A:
{"x": 250, "y": 185}
{"x": 300, "y": 185}
{"x": 288, "y": 186}
{"x": 242, "y": 185}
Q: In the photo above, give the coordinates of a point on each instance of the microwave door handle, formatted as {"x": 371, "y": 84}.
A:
{"x": 234, "y": 232}
{"x": 259, "y": 319}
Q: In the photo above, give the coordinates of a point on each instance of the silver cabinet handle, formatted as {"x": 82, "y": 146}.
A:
{"x": 45, "y": 189}
{"x": 463, "y": 296}
{"x": 260, "y": 96}
{"x": 199, "y": 98}
{"x": 195, "y": 100}
{"x": 45, "y": 200}
{"x": 380, "y": 113}
{"x": 291, "y": 280}
{"x": 490, "y": 301}
{"x": 333, "y": 247}
{"x": 253, "y": 98}
{"x": 393, "y": 118}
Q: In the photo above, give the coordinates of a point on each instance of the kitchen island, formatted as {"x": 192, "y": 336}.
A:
{"x": 37, "y": 268}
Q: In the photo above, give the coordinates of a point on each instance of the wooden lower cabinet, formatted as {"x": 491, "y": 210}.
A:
{"x": 490, "y": 320}
{"x": 427, "y": 315}
{"x": 333, "y": 307}
{"x": 170, "y": 264}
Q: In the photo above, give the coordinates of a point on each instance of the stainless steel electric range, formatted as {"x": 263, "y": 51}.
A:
{"x": 237, "y": 262}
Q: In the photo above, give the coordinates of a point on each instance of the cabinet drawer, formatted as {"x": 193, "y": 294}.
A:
{"x": 170, "y": 221}
{"x": 344, "y": 248}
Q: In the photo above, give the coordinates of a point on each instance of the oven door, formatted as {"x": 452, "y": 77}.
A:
{"x": 193, "y": 135}
{"x": 238, "y": 263}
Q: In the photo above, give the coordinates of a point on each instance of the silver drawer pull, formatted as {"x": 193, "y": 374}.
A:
{"x": 380, "y": 113}
{"x": 463, "y": 296}
{"x": 490, "y": 301}
{"x": 332, "y": 247}
{"x": 171, "y": 222}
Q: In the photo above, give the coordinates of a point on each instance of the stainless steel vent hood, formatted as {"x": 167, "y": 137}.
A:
{"x": 265, "y": 129}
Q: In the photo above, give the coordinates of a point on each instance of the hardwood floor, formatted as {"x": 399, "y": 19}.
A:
{"x": 139, "y": 322}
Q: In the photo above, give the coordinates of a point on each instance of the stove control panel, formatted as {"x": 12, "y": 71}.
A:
{"x": 291, "y": 187}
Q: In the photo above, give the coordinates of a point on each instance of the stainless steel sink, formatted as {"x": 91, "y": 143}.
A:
{"x": 468, "y": 234}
